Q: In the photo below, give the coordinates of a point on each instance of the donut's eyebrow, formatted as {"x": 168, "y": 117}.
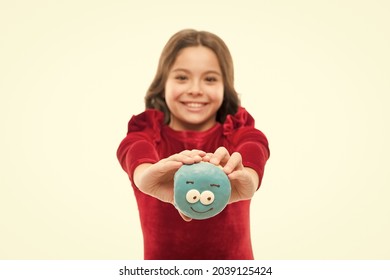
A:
{"x": 214, "y": 185}
{"x": 189, "y": 182}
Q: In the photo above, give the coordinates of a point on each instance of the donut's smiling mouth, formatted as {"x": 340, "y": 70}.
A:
{"x": 201, "y": 212}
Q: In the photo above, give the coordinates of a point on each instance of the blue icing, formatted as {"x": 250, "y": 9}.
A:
{"x": 201, "y": 190}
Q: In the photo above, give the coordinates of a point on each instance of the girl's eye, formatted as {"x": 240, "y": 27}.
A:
{"x": 181, "y": 77}
{"x": 211, "y": 79}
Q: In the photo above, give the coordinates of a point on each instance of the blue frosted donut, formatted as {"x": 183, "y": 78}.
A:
{"x": 201, "y": 190}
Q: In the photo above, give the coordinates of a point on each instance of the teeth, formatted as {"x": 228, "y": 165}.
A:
{"x": 194, "y": 105}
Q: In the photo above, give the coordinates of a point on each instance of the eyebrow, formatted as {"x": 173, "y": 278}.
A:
{"x": 206, "y": 72}
{"x": 214, "y": 185}
{"x": 189, "y": 182}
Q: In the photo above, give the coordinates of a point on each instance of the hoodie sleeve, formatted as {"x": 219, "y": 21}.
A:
{"x": 250, "y": 142}
{"x": 139, "y": 145}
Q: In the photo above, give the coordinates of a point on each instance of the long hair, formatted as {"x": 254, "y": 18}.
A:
{"x": 155, "y": 99}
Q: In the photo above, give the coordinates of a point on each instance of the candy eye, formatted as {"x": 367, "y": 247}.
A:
{"x": 207, "y": 197}
{"x": 193, "y": 196}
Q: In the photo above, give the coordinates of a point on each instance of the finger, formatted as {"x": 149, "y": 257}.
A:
{"x": 199, "y": 152}
{"x": 220, "y": 156}
{"x": 196, "y": 155}
{"x": 234, "y": 163}
{"x": 187, "y": 157}
{"x": 179, "y": 158}
{"x": 185, "y": 218}
{"x": 194, "y": 152}
{"x": 170, "y": 165}
{"x": 207, "y": 157}
{"x": 235, "y": 175}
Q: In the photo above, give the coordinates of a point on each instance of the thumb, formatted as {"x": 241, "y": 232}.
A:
{"x": 185, "y": 218}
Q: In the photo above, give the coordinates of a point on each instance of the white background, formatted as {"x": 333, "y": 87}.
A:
{"x": 314, "y": 74}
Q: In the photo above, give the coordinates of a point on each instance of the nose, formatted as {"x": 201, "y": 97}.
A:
{"x": 195, "y": 88}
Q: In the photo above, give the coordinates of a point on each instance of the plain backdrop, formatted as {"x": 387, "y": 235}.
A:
{"x": 314, "y": 75}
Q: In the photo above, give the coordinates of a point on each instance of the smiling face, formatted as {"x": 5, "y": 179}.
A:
{"x": 194, "y": 89}
{"x": 201, "y": 190}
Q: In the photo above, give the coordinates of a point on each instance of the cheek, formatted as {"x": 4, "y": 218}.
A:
{"x": 173, "y": 91}
{"x": 216, "y": 94}
{"x": 169, "y": 94}
{"x": 217, "y": 90}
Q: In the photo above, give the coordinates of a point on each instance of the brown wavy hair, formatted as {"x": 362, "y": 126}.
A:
{"x": 155, "y": 96}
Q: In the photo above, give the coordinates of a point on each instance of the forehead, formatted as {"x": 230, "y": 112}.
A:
{"x": 198, "y": 57}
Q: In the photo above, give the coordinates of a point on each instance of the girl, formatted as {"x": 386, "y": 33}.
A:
{"x": 193, "y": 114}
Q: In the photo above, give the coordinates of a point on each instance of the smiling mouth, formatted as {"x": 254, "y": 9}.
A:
{"x": 194, "y": 105}
{"x": 200, "y": 211}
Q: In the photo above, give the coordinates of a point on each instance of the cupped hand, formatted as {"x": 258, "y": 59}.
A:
{"x": 243, "y": 180}
{"x": 156, "y": 179}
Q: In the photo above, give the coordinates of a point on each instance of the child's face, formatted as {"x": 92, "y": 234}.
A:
{"x": 194, "y": 89}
